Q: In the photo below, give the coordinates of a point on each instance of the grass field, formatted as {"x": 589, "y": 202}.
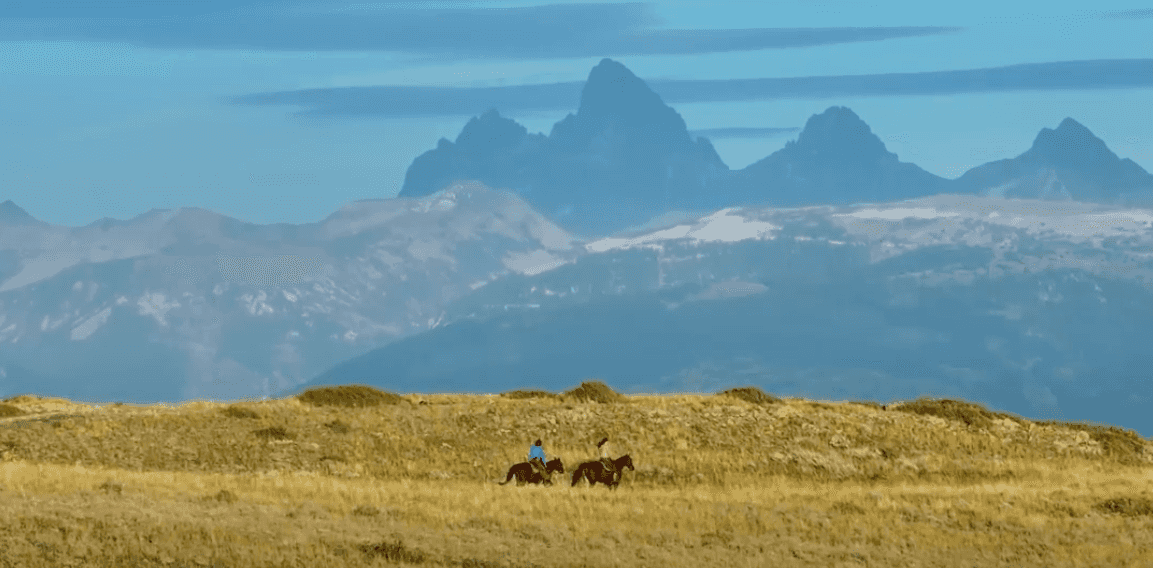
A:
{"x": 355, "y": 477}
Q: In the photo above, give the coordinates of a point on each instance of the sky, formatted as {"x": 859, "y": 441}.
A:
{"x": 282, "y": 112}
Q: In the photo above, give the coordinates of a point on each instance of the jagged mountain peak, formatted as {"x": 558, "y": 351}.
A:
{"x": 614, "y": 98}
{"x": 611, "y": 89}
{"x": 490, "y": 131}
{"x": 838, "y": 133}
{"x": 1071, "y": 144}
{"x": 1068, "y": 162}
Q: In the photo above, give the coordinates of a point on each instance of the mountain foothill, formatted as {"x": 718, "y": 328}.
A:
{"x": 625, "y": 157}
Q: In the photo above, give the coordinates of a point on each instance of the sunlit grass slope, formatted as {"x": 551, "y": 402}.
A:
{"x": 352, "y": 476}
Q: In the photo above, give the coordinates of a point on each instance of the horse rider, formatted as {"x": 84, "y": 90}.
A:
{"x": 536, "y": 458}
{"x": 604, "y": 450}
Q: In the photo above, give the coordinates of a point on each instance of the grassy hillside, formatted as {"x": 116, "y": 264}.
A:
{"x": 354, "y": 477}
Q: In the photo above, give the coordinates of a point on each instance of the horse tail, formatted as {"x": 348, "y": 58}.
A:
{"x": 509, "y": 478}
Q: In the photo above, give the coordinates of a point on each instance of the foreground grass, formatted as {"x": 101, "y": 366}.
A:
{"x": 719, "y": 481}
{"x": 74, "y": 515}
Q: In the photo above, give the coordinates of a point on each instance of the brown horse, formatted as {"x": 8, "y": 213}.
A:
{"x": 595, "y": 471}
{"x": 524, "y": 473}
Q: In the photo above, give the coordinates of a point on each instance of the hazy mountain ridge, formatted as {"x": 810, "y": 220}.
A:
{"x": 1017, "y": 304}
{"x": 189, "y": 303}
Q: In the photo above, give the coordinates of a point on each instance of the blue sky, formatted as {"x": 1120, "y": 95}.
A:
{"x": 283, "y": 112}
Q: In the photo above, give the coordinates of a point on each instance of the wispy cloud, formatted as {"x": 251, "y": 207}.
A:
{"x": 743, "y": 132}
{"x": 311, "y": 26}
{"x": 532, "y": 32}
{"x": 1061, "y": 75}
{"x": 139, "y": 9}
{"x": 402, "y": 101}
{"x": 674, "y": 42}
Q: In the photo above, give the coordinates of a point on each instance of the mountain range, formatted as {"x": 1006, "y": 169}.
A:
{"x": 626, "y": 157}
{"x": 1037, "y": 310}
{"x": 620, "y": 247}
{"x": 182, "y": 304}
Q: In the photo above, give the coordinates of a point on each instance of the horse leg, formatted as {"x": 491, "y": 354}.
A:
{"x": 579, "y": 474}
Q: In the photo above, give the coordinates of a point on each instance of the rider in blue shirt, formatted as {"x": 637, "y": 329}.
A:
{"x": 536, "y": 457}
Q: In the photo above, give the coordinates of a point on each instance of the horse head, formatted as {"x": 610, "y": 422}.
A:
{"x": 626, "y": 461}
{"x": 554, "y": 465}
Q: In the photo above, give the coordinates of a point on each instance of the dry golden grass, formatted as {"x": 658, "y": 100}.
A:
{"x": 351, "y": 396}
{"x": 719, "y": 481}
{"x": 593, "y": 391}
{"x": 523, "y": 394}
{"x": 967, "y": 413}
{"x": 752, "y": 395}
{"x": 235, "y": 411}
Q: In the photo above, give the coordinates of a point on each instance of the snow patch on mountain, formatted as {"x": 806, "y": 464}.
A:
{"x": 257, "y": 305}
{"x": 901, "y": 213}
{"x": 90, "y": 325}
{"x": 38, "y": 269}
{"x": 154, "y": 304}
{"x": 531, "y": 263}
{"x": 725, "y": 226}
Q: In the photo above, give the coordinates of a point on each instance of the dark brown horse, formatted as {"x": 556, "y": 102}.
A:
{"x": 595, "y": 471}
{"x": 524, "y": 473}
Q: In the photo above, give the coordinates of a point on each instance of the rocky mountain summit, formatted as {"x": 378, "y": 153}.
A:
{"x": 835, "y": 159}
